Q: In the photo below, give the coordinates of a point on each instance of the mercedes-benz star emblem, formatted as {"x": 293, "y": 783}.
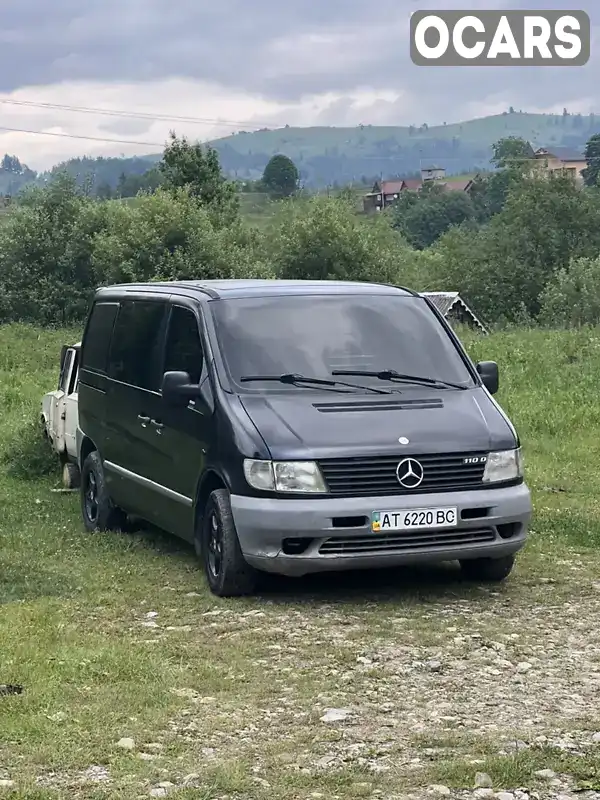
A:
{"x": 409, "y": 473}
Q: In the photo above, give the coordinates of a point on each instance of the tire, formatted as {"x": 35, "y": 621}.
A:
{"x": 97, "y": 509}
{"x": 492, "y": 570}
{"x": 71, "y": 477}
{"x": 227, "y": 572}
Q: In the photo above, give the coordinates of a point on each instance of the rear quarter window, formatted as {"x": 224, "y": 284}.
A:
{"x": 96, "y": 342}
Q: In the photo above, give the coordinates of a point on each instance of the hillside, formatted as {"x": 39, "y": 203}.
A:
{"x": 329, "y": 156}
{"x": 341, "y": 155}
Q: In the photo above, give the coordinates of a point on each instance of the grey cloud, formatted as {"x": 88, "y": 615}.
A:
{"x": 122, "y": 126}
{"x": 265, "y": 46}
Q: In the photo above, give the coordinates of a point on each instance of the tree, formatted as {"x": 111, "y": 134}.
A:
{"x": 14, "y": 175}
{"x": 431, "y": 215}
{"x": 511, "y": 151}
{"x": 11, "y": 164}
{"x": 104, "y": 192}
{"x": 281, "y": 177}
{"x": 196, "y": 168}
{"x": 148, "y": 181}
{"x": 504, "y": 268}
{"x": 592, "y": 156}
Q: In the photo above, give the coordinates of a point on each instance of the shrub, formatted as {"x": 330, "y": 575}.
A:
{"x": 45, "y": 244}
{"x": 169, "y": 236}
{"x": 322, "y": 238}
{"x": 572, "y": 298}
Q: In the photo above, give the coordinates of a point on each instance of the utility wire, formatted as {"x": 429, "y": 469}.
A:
{"x": 132, "y": 114}
{"x": 77, "y": 136}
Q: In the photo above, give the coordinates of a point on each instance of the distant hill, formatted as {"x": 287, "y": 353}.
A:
{"x": 329, "y": 156}
{"x": 326, "y": 156}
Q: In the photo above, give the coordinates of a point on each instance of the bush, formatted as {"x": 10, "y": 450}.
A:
{"x": 504, "y": 268}
{"x": 169, "y": 236}
{"x": 45, "y": 243}
{"x": 322, "y": 238}
{"x": 572, "y": 298}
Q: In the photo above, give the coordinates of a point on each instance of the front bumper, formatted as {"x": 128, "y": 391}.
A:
{"x": 297, "y": 537}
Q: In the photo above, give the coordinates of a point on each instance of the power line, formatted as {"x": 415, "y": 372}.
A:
{"x": 77, "y": 136}
{"x": 132, "y": 114}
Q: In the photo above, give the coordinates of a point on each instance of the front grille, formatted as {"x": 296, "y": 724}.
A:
{"x": 376, "y": 475}
{"x": 375, "y": 543}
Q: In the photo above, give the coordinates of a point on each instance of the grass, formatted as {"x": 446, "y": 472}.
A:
{"x": 229, "y": 693}
{"x": 256, "y": 208}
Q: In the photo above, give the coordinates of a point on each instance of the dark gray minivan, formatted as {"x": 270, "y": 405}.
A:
{"x": 295, "y": 427}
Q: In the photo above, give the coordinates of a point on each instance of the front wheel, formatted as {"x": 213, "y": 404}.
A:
{"x": 227, "y": 572}
{"x": 492, "y": 570}
{"x": 97, "y": 509}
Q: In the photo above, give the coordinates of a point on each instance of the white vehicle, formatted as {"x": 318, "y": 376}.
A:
{"x": 59, "y": 414}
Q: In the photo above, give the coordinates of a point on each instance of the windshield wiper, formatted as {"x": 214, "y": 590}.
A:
{"x": 392, "y": 375}
{"x": 294, "y": 379}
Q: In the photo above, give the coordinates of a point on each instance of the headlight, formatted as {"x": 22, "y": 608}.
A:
{"x": 284, "y": 476}
{"x": 506, "y": 465}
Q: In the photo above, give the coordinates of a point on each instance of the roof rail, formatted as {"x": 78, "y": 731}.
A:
{"x": 193, "y": 285}
{"x": 395, "y": 286}
{"x": 150, "y": 285}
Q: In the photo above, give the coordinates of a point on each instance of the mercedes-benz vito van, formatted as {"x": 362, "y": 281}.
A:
{"x": 295, "y": 427}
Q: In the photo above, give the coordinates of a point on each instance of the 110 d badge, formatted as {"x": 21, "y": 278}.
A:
{"x": 475, "y": 460}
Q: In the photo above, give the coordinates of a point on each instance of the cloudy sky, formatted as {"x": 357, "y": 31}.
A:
{"x": 243, "y": 64}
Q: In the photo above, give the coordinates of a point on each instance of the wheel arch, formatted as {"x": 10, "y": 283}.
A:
{"x": 87, "y": 446}
{"x": 210, "y": 482}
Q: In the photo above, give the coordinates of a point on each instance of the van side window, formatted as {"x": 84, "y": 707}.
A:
{"x": 136, "y": 344}
{"x": 74, "y": 382}
{"x": 97, "y": 336}
{"x": 64, "y": 375}
{"x": 183, "y": 351}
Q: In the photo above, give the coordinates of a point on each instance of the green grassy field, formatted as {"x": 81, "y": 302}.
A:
{"x": 116, "y": 636}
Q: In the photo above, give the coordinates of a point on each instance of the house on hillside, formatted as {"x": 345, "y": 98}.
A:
{"x": 433, "y": 173}
{"x": 454, "y": 309}
{"x": 562, "y": 159}
{"x": 458, "y": 184}
{"x": 386, "y": 193}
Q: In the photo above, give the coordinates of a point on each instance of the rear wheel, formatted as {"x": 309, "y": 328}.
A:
{"x": 97, "y": 509}
{"x": 71, "y": 477}
{"x": 492, "y": 570}
{"x": 227, "y": 572}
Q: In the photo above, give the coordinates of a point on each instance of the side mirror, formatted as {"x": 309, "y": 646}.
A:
{"x": 489, "y": 375}
{"x": 177, "y": 390}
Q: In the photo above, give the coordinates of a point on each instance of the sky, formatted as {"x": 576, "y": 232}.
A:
{"x": 240, "y": 65}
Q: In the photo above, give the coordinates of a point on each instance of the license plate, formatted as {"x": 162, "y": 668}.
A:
{"x": 416, "y": 518}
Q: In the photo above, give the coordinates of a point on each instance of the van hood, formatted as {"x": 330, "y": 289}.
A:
{"x": 328, "y": 425}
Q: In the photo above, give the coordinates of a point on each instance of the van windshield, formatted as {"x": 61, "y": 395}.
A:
{"x": 315, "y": 335}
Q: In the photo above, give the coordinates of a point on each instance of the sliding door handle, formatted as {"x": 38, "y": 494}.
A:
{"x": 158, "y": 425}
